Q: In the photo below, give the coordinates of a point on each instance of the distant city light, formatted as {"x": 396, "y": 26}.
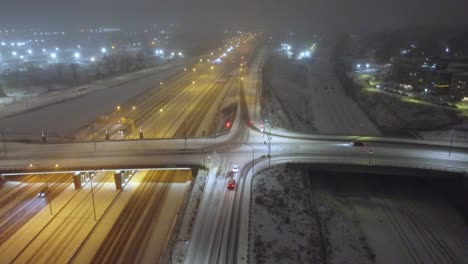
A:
{"x": 358, "y": 66}
{"x": 56, "y": 49}
{"x": 14, "y": 53}
{"x": 367, "y": 65}
{"x": 53, "y": 55}
{"x": 21, "y": 57}
{"x": 447, "y": 50}
{"x": 29, "y": 51}
{"x": 76, "y": 55}
{"x": 103, "y": 50}
{"x": 93, "y": 59}
{"x": 3, "y": 43}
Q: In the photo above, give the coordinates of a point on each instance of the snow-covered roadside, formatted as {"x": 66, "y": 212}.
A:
{"x": 31, "y": 102}
{"x": 283, "y": 229}
{"x": 348, "y": 218}
{"x": 176, "y": 247}
{"x": 305, "y": 96}
{"x": 65, "y": 117}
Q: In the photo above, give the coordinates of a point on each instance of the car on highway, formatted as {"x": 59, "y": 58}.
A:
{"x": 231, "y": 184}
{"x": 43, "y": 192}
{"x": 122, "y": 131}
{"x": 357, "y": 144}
{"x": 235, "y": 168}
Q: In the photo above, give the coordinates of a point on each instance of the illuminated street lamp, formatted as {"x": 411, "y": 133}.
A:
{"x": 103, "y": 50}
{"x": 76, "y": 55}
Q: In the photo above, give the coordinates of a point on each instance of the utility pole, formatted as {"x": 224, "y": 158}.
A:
{"x": 47, "y": 194}
{"x": 92, "y": 196}
{"x": 269, "y": 149}
{"x": 185, "y": 136}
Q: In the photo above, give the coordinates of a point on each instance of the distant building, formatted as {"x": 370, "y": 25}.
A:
{"x": 459, "y": 86}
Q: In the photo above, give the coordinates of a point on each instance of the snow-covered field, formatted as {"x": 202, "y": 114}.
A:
{"x": 305, "y": 96}
{"x": 302, "y": 216}
{"x": 62, "y": 113}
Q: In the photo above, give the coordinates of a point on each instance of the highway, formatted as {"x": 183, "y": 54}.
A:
{"x": 220, "y": 234}
{"x": 180, "y": 107}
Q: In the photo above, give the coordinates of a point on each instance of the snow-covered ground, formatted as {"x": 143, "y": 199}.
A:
{"x": 305, "y": 96}
{"x": 63, "y": 113}
{"x": 303, "y": 216}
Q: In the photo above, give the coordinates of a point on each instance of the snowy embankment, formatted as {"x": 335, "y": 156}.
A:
{"x": 63, "y": 114}
{"x": 305, "y": 96}
{"x": 303, "y": 216}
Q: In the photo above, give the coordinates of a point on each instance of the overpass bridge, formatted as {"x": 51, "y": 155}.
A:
{"x": 247, "y": 145}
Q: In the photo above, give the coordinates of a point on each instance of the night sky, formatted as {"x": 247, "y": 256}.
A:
{"x": 323, "y": 15}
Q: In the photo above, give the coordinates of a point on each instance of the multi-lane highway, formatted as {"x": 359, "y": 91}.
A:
{"x": 220, "y": 233}
{"x": 193, "y": 101}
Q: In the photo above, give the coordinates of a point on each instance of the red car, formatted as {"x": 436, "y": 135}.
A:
{"x": 231, "y": 184}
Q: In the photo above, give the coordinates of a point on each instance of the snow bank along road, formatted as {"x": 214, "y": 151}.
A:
{"x": 225, "y": 239}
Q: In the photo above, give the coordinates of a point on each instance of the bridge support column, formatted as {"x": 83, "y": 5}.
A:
{"x": 81, "y": 178}
{"x": 118, "y": 180}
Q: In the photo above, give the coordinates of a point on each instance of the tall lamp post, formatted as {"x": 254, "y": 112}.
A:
{"x": 47, "y": 183}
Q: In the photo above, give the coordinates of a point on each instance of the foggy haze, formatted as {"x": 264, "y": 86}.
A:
{"x": 310, "y": 15}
